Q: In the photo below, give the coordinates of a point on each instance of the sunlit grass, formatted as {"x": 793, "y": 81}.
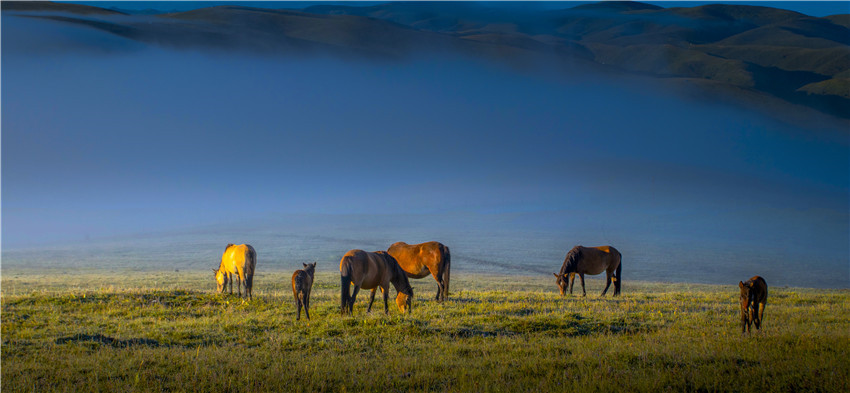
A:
{"x": 168, "y": 331}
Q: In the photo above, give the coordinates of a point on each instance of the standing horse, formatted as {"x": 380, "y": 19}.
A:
{"x": 591, "y": 260}
{"x": 302, "y": 285}
{"x": 239, "y": 260}
{"x": 420, "y": 260}
{"x": 370, "y": 270}
{"x": 753, "y": 300}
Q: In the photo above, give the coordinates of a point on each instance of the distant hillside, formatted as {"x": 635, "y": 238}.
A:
{"x": 783, "y": 54}
{"x": 40, "y": 6}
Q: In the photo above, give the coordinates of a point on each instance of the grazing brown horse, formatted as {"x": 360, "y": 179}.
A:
{"x": 753, "y": 300}
{"x": 302, "y": 284}
{"x": 420, "y": 260}
{"x": 591, "y": 260}
{"x": 371, "y": 270}
{"x": 239, "y": 260}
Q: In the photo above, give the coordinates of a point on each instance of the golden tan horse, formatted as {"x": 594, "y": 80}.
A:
{"x": 302, "y": 285}
{"x": 371, "y": 270}
{"x": 420, "y": 260}
{"x": 240, "y": 261}
{"x": 591, "y": 260}
{"x": 753, "y": 300}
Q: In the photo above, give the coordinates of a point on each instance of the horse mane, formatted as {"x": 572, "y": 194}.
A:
{"x": 399, "y": 278}
{"x": 572, "y": 259}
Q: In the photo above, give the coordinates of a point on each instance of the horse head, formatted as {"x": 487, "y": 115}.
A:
{"x": 746, "y": 319}
{"x": 561, "y": 280}
{"x": 220, "y": 279}
{"x": 404, "y": 301}
{"x": 745, "y": 293}
{"x": 309, "y": 268}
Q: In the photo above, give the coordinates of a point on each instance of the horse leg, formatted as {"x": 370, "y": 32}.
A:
{"x": 249, "y": 284}
{"x": 386, "y": 292}
{"x": 572, "y": 281}
{"x": 607, "y": 283}
{"x": 583, "y": 291}
{"x": 438, "y": 276}
{"x": 756, "y": 319}
{"x": 352, "y": 298}
{"x": 761, "y": 311}
{"x": 230, "y": 281}
{"x": 298, "y": 303}
{"x": 371, "y": 299}
{"x": 306, "y": 305}
{"x": 239, "y": 283}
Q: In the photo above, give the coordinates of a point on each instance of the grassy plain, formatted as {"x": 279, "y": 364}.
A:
{"x": 168, "y": 331}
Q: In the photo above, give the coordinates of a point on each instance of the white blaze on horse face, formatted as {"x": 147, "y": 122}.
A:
{"x": 561, "y": 281}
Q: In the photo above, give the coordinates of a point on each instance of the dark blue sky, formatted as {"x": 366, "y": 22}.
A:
{"x": 150, "y": 140}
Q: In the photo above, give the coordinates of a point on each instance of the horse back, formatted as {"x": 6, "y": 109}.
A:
{"x": 591, "y": 260}
{"x": 366, "y": 269}
{"x": 419, "y": 260}
{"x": 239, "y": 257}
{"x": 301, "y": 281}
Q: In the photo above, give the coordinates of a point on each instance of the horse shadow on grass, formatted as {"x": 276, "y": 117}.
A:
{"x": 106, "y": 340}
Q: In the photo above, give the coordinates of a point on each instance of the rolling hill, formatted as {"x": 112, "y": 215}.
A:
{"x": 761, "y": 51}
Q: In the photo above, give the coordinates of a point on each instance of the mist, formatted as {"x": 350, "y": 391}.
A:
{"x": 505, "y": 165}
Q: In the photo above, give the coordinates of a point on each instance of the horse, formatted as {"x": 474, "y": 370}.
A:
{"x": 591, "y": 260}
{"x": 370, "y": 270}
{"x": 753, "y": 300}
{"x": 239, "y": 260}
{"x": 302, "y": 284}
{"x": 420, "y": 260}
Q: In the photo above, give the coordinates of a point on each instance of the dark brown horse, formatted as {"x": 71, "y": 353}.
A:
{"x": 753, "y": 300}
{"x": 420, "y": 260}
{"x": 591, "y": 260}
{"x": 371, "y": 270}
{"x": 302, "y": 285}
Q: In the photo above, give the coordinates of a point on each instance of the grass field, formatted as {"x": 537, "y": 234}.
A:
{"x": 168, "y": 331}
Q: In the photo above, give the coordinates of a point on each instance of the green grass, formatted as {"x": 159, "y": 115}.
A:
{"x": 168, "y": 331}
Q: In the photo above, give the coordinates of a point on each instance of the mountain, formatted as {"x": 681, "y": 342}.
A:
{"x": 49, "y": 6}
{"x": 781, "y": 54}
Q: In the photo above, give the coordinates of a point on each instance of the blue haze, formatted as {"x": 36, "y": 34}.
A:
{"x": 118, "y": 151}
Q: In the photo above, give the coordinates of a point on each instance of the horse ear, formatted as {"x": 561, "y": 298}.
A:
{"x": 305, "y": 265}
{"x": 741, "y": 284}
{"x": 556, "y": 274}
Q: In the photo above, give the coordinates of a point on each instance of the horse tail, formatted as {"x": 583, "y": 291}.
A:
{"x": 301, "y": 298}
{"x": 345, "y": 284}
{"x": 619, "y": 274}
{"x": 447, "y": 264}
{"x": 298, "y": 288}
{"x": 250, "y": 265}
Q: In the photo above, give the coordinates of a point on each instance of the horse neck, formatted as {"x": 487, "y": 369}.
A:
{"x": 569, "y": 266}
{"x": 571, "y": 262}
{"x": 401, "y": 283}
